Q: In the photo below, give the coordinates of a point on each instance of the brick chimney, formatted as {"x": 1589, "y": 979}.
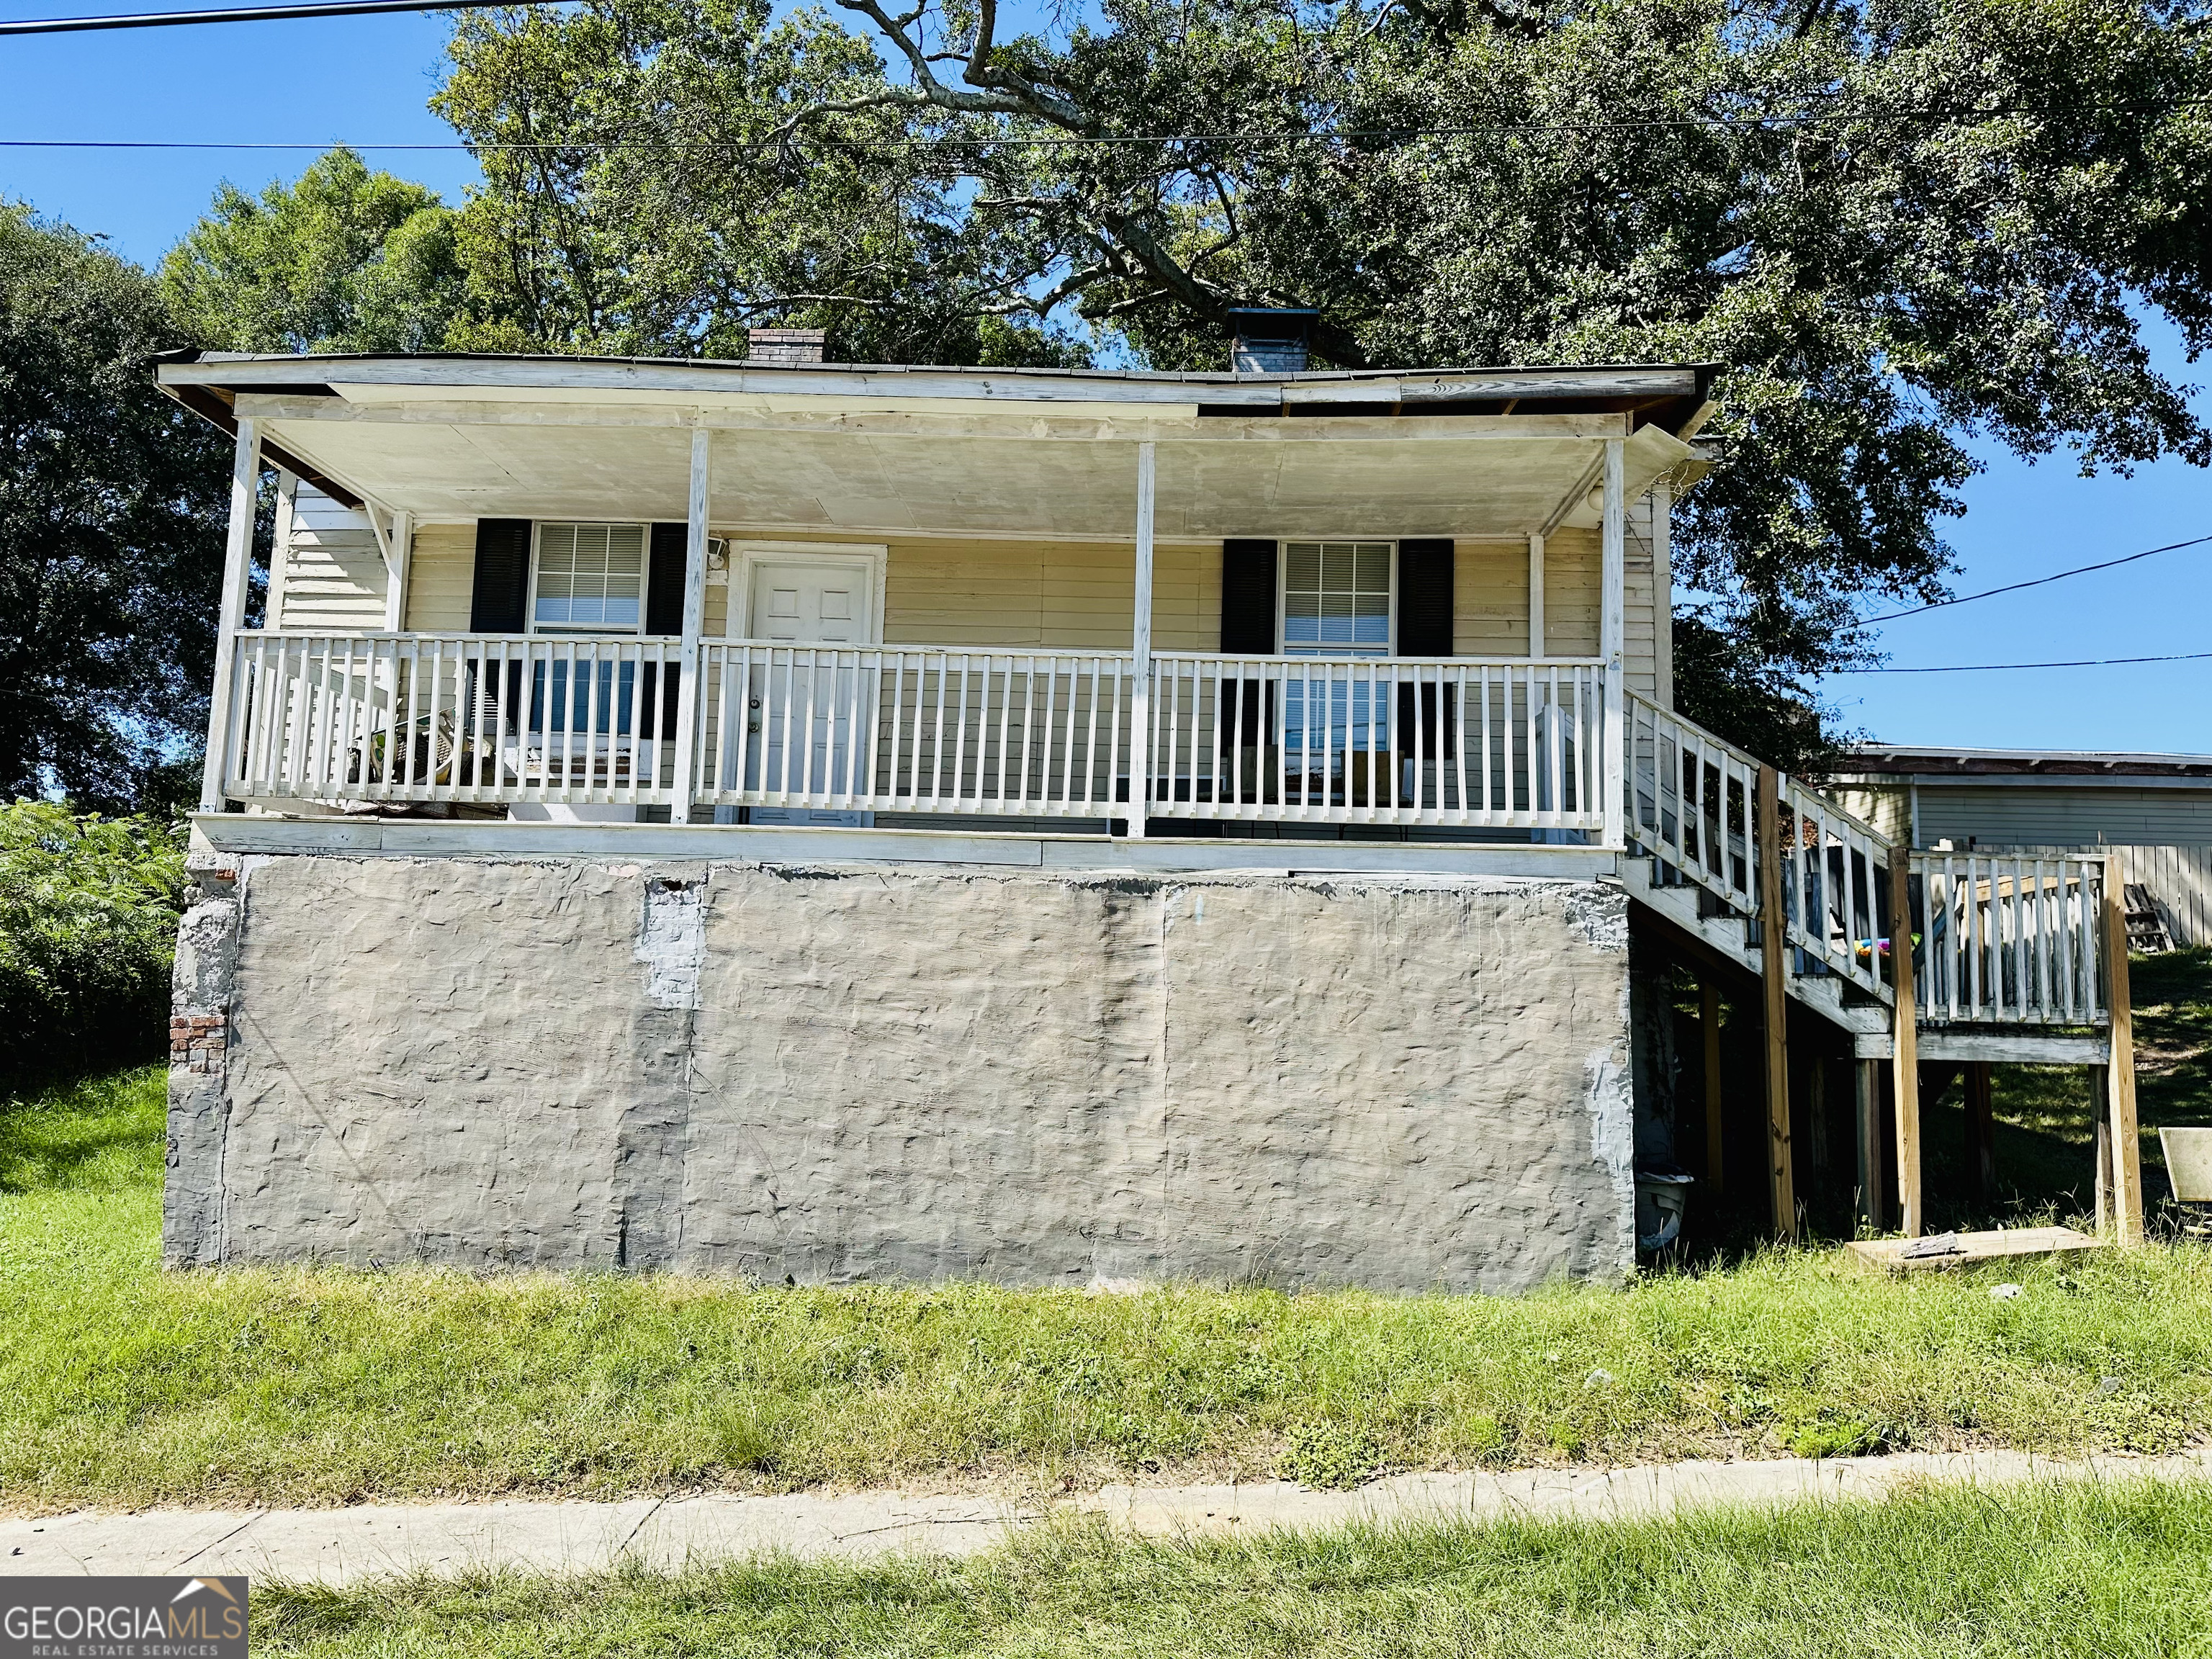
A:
{"x": 784, "y": 345}
{"x": 1269, "y": 340}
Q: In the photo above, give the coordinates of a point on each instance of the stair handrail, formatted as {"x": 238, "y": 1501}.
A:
{"x": 1692, "y": 802}
{"x": 1694, "y": 806}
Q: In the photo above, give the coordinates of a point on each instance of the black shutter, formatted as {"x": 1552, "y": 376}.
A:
{"x": 1248, "y": 629}
{"x": 664, "y": 616}
{"x": 664, "y": 579}
{"x": 1424, "y": 630}
{"x": 1425, "y": 597}
{"x": 1247, "y": 598}
{"x": 499, "y": 603}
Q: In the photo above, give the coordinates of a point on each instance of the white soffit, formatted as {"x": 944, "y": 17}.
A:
{"x": 1438, "y": 485}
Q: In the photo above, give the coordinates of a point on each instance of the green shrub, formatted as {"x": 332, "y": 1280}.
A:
{"x": 88, "y": 909}
{"x": 1330, "y": 1455}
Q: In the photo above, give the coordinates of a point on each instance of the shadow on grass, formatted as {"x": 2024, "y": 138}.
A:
{"x": 95, "y": 1132}
{"x": 2046, "y": 1116}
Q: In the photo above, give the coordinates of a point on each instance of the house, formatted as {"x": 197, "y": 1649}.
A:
{"x": 827, "y": 822}
{"x": 2154, "y": 811}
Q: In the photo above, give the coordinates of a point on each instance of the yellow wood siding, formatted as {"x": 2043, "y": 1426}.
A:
{"x": 1490, "y": 599}
{"x": 1887, "y": 807}
{"x": 1076, "y": 595}
{"x": 440, "y": 580}
{"x": 1573, "y": 608}
{"x": 1639, "y": 616}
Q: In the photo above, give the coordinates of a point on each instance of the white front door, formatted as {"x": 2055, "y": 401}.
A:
{"x": 811, "y": 602}
{"x": 808, "y": 710}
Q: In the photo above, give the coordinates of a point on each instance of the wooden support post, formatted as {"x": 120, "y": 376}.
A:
{"x": 2120, "y": 1073}
{"x": 1535, "y": 595}
{"x": 2099, "y": 1098}
{"x": 402, "y": 563}
{"x": 1905, "y": 1043}
{"x": 1140, "y": 647}
{"x": 1774, "y": 970}
{"x": 1873, "y": 1206}
{"x": 1709, "y": 1026}
{"x": 230, "y": 615}
{"x": 694, "y": 624}
{"x": 1981, "y": 1130}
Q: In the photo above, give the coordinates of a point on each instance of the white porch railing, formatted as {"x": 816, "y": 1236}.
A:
{"x": 2010, "y": 940}
{"x": 591, "y": 719}
{"x": 911, "y": 729}
{"x": 1442, "y": 740}
{"x": 452, "y": 717}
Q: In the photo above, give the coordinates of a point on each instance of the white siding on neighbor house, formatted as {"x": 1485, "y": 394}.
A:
{"x": 2047, "y": 815}
{"x": 1999, "y": 815}
{"x": 2179, "y": 879}
{"x": 328, "y": 575}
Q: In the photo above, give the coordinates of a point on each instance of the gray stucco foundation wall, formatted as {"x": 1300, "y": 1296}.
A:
{"x": 905, "y": 1073}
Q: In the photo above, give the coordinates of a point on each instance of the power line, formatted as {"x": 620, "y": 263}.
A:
{"x": 2061, "y": 575}
{"x": 156, "y": 20}
{"x": 2000, "y": 667}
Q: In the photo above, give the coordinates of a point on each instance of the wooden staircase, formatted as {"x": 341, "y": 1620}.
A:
{"x": 1945, "y": 958}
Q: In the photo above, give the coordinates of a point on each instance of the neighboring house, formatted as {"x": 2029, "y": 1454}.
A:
{"x": 2154, "y": 811}
{"x": 1053, "y": 826}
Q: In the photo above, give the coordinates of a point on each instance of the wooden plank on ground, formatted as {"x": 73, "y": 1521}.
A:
{"x": 1969, "y": 1249}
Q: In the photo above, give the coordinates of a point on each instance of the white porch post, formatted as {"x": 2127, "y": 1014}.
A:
{"x": 1140, "y": 645}
{"x": 402, "y": 557}
{"x": 1535, "y": 595}
{"x": 237, "y": 571}
{"x": 694, "y": 624}
{"x": 1613, "y": 639}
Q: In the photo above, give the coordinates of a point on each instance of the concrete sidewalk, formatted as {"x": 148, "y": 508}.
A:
{"x": 343, "y": 1547}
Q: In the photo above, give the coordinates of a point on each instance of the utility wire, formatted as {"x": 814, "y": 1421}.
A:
{"x": 156, "y": 20}
{"x": 2000, "y": 667}
{"x": 2060, "y": 575}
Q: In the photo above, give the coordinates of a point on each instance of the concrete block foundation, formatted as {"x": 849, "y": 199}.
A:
{"x": 852, "y": 1071}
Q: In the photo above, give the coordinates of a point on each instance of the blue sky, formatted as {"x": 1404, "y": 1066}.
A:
{"x": 365, "y": 81}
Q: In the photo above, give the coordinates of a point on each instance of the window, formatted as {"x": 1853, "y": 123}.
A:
{"x": 1336, "y": 599}
{"x": 1336, "y": 603}
{"x": 591, "y": 578}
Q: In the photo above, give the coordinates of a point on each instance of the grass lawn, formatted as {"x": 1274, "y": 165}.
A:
{"x": 122, "y": 1385}
{"x": 2068, "y": 1571}
{"x": 2046, "y": 1123}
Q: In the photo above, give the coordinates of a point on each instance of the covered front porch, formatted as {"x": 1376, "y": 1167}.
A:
{"x": 848, "y": 598}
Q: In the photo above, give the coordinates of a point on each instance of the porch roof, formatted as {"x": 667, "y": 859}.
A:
{"x": 891, "y": 449}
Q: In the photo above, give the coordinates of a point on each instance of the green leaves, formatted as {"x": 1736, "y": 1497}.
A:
{"x": 111, "y": 534}
{"x": 345, "y": 260}
{"x": 88, "y": 909}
